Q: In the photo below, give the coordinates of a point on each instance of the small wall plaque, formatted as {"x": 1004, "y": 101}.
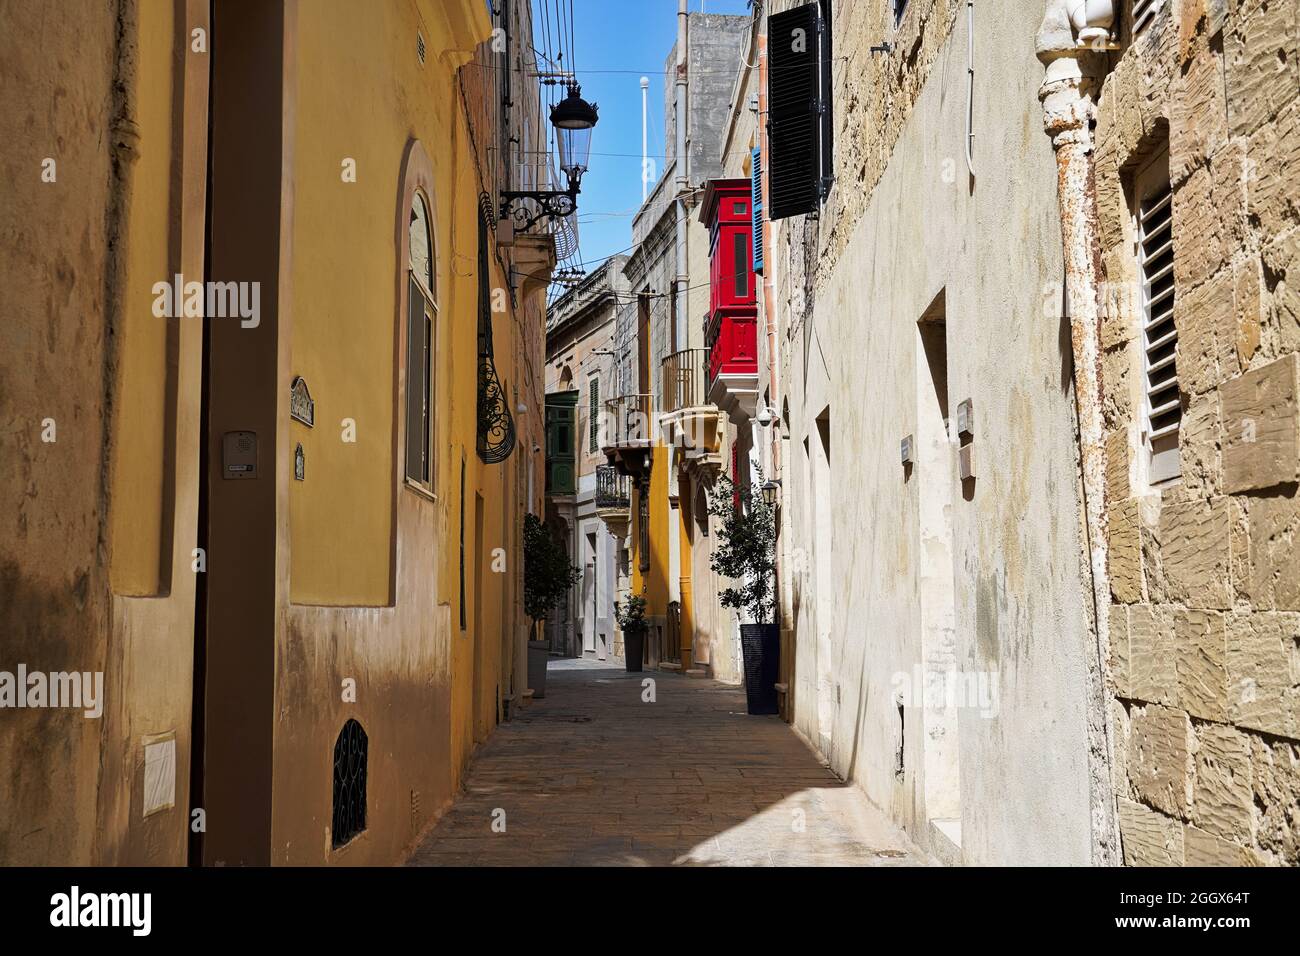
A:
{"x": 905, "y": 450}
{"x": 159, "y": 772}
{"x": 299, "y": 464}
{"x": 301, "y": 407}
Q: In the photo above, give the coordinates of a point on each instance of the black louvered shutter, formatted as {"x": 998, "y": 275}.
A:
{"x": 826, "y": 148}
{"x": 794, "y": 122}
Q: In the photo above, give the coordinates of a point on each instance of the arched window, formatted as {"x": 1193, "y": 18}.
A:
{"x": 421, "y": 325}
{"x": 350, "y": 753}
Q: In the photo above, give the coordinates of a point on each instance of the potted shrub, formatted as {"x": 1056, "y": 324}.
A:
{"x": 548, "y": 575}
{"x": 631, "y": 621}
{"x": 746, "y": 553}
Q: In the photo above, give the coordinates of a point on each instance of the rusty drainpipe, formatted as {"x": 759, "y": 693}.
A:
{"x": 1073, "y": 73}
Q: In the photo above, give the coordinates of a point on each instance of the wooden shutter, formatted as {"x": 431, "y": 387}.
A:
{"x": 756, "y": 205}
{"x": 561, "y": 447}
{"x": 793, "y": 117}
{"x": 826, "y": 146}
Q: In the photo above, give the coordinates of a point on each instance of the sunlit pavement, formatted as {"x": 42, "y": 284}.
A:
{"x": 594, "y": 776}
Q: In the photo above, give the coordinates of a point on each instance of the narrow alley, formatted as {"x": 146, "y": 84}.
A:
{"x": 593, "y": 776}
{"x": 656, "y": 434}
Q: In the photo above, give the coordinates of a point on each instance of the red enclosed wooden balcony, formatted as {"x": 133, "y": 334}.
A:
{"x": 733, "y": 345}
{"x": 731, "y": 329}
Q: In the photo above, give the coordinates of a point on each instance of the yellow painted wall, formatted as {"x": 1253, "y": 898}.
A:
{"x": 139, "y": 450}
{"x": 344, "y": 292}
{"x": 428, "y": 688}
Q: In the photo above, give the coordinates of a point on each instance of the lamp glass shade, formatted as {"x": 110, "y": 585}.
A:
{"x": 573, "y": 119}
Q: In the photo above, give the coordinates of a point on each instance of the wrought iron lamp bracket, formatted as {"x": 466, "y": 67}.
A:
{"x": 515, "y": 205}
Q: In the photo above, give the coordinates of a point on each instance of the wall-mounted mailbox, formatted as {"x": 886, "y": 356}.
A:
{"x": 239, "y": 456}
{"x": 966, "y": 419}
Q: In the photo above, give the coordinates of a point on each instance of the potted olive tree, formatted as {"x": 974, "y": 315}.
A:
{"x": 631, "y": 621}
{"x": 746, "y": 553}
{"x": 548, "y": 575}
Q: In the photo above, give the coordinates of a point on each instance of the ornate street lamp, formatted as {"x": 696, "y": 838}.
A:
{"x": 573, "y": 119}
{"x": 771, "y": 492}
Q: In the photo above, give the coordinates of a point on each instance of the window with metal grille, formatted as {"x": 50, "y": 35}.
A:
{"x": 1144, "y": 11}
{"x": 593, "y": 392}
{"x": 420, "y": 326}
{"x": 350, "y": 755}
{"x": 1155, "y": 254}
{"x": 643, "y": 526}
{"x": 463, "y": 620}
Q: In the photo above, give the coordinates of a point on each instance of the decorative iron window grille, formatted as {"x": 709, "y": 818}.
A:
{"x": 350, "y": 751}
{"x": 643, "y": 526}
{"x": 463, "y": 621}
{"x": 496, "y": 426}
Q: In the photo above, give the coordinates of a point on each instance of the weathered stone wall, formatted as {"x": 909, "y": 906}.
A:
{"x": 1204, "y": 570}
{"x": 873, "y": 98}
{"x": 899, "y": 577}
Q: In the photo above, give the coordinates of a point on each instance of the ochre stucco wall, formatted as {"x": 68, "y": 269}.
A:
{"x": 124, "y": 118}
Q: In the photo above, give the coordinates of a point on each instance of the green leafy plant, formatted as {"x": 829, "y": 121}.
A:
{"x": 548, "y": 575}
{"x": 746, "y": 552}
{"x": 630, "y": 616}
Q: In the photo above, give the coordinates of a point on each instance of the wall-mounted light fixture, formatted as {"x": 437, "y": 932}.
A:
{"x": 574, "y": 119}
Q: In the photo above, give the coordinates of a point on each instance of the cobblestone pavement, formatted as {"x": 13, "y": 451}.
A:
{"x": 593, "y": 776}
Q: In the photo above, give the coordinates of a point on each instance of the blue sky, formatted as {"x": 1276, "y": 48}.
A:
{"x": 615, "y": 43}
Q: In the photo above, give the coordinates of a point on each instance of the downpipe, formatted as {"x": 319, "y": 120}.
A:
{"x": 1072, "y": 74}
{"x": 970, "y": 86}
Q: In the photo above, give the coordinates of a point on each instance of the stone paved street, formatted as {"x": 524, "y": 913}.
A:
{"x": 593, "y": 776}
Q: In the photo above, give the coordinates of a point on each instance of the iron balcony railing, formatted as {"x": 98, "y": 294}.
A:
{"x": 611, "y": 488}
{"x": 628, "y": 419}
{"x": 684, "y": 379}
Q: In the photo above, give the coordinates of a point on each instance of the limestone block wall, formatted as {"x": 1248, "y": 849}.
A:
{"x": 1205, "y": 569}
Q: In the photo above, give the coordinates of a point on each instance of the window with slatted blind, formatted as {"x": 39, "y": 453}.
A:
{"x": 593, "y": 414}
{"x": 756, "y": 207}
{"x": 1163, "y": 410}
{"x": 1144, "y": 11}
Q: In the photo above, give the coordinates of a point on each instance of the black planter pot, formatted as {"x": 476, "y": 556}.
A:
{"x": 761, "y": 646}
{"x": 633, "y": 649}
